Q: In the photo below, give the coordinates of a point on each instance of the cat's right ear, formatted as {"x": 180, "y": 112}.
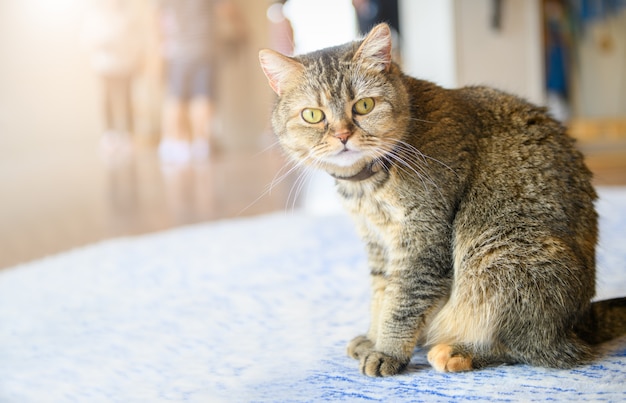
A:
{"x": 280, "y": 70}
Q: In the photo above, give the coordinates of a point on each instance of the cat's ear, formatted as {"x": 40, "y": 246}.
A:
{"x": 375, "y": 50}
{"x": 280, "y": 70}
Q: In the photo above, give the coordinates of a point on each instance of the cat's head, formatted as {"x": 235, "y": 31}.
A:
{"x": 341, "y": 108}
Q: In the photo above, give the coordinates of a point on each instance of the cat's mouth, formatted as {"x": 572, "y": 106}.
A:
{"x": 345, "y": 158}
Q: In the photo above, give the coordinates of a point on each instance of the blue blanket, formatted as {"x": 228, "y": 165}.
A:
{"x": 247, "y": 310}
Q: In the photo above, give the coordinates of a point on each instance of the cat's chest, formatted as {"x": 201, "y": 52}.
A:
{"x": 379, "y": 213}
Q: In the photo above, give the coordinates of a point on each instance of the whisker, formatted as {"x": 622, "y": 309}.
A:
{"x": 306, "y": 184}
{"x": 442, "y": 164}
{"x": 278, "y": 178}
{"x": 300, "y": 183}
{"x": 274, "y": 144}
{"x": 422, "y": 120}
{"x": 425, "y": 157}
{"x": 397, "y": 155}
{"x": 399, "y": 152}
{"x": 296, "y": 189}
{"x": 409, "y": 147}
{"x": 410, "y": 169}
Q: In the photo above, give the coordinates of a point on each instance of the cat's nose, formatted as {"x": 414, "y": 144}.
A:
{"x": 342, "y": 135}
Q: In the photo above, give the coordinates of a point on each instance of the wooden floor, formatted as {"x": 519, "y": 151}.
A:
{"x": 55, "y": 202}
{"x": 63, "y": 200}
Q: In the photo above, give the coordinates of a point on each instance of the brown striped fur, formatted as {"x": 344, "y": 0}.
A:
{"x": 476, "y": 209}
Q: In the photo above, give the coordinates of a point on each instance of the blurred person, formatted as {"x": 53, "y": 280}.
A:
{"x": 280, "y": 29}
{"x": 110, "y": 36}
{"x": 558, "y": 40}
{"x": 280, "y": 39}
{"x": 193, "y": 33}
{"x": 371, "y": 12}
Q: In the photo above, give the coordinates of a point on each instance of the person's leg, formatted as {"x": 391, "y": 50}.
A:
{"x": 174, "y": 146}
{"x": 116, "y": 142}
{"x": 174, "y": 119}
{"x": 126, "y": 104}
{"x": 201, "y": 113}
{"x": 109, "y": 139}
{"x": 107, "y": 104}
{"x": 201, "y": 108}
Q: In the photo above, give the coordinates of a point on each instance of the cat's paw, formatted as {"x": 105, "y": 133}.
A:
{"x": 359, "y": 346}
{"x": 444, "y": 359}
{"x": 376, "y": 363}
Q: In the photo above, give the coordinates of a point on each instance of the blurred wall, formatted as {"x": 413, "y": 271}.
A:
{"x": 453, "y": 43}
{"x": 600, "y": 79}
{"x": 511, "y": 57}
{"x": 429, "y": 43}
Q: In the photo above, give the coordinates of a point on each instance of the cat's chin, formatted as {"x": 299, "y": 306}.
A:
{"x": 346, "y": 164}
{"x": 345, "y": 159}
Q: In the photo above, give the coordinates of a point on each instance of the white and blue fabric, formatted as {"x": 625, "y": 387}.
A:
{"x": 248, "y": 310}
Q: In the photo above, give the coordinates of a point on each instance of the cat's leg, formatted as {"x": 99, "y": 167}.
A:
{"x": 406, "y": 301}
{"x": 493, "y": 317}
{"x": 462, "y": 331}
{"x": 363, "y": 344}
{"x": 388, "y": 355}
{"x": 411, "y": 277}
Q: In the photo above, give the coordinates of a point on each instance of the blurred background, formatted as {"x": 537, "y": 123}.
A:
{"x": 83, "y": 155}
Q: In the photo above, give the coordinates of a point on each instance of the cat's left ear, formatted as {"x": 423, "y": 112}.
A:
{"x": 280, "y": 70}
{"x": 375, "y": 50}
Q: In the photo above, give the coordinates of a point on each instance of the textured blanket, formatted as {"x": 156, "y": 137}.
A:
{"x": 247, "y": 310}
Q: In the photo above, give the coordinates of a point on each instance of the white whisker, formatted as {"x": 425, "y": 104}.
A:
{"x": 403, "y": 153}
{"x": 427, "y": 157}
{"x": 422, "y": 120}
{"x": 300, "y": 183}
{"x": 278, "y": 178}
{"x": 275, "y": 144}
{"x": 296, "y": 189}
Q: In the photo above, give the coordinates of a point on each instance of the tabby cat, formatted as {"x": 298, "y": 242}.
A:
{"x": 476, "y": 209}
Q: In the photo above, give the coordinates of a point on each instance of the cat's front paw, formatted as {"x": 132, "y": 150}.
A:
{"x": 376, "y": 363}
{"x": 359, "y": 346}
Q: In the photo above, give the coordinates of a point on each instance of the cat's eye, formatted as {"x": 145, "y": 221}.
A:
{"x": 312, "y": 115}
{"x": 363, "y": 106}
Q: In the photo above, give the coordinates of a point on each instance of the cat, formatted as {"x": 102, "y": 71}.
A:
{"x": 475, "y": 207}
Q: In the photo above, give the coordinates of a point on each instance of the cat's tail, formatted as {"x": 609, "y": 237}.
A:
{"x": 606, "y": 320}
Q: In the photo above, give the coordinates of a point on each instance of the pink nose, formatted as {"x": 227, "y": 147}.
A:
{"x": 342, "y": 135}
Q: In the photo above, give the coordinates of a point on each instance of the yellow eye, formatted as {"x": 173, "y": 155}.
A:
{"x": 312, "y": 115}
{"x": 363, "y": 106}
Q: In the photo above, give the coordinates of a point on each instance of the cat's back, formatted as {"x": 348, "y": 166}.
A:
{"x": 504, "y": 117}
{"x": 496, "y": 138}
{"x": 527, "y": 171}
{"x": 517, "y": 138}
